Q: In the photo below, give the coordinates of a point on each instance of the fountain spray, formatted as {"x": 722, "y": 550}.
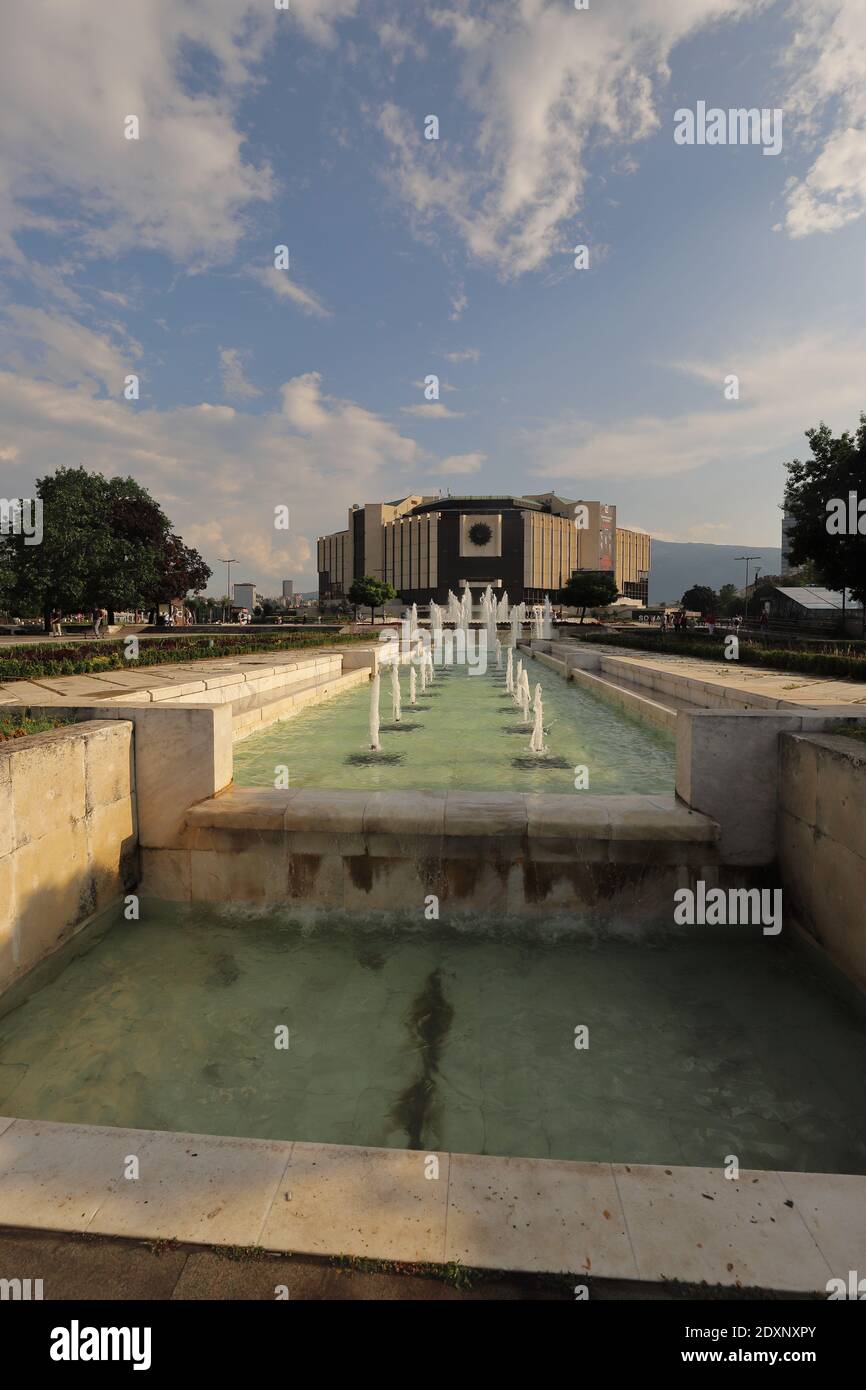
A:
{"x": 395, "y": 693}
{"x": 536, "y": 742}
{"x": 374, "y": 714}
{"x": 509, "y": 671}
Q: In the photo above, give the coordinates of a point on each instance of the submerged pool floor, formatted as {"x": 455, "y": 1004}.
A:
{"x": 411, "y": 1034}
{"x": 464, "y": 734}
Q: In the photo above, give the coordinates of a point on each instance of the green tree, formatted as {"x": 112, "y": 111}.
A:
{"x": 700, "y": 598}
{"x": 816, "y": 493}
{"x": 371, "y": 593}
{"x": 589, "y": 589}
{"x": 730, "y": 601}
{"x": 106, "y": 543}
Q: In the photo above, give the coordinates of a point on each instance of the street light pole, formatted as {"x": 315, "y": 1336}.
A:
{"x": 228, "y": 564}
{"x": 748, "y": 559}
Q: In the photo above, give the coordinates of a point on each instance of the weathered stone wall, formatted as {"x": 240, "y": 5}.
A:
{"x": 617, "y": 859}
{"x": 68, "y": 835}
{"x": 822, "y": 842}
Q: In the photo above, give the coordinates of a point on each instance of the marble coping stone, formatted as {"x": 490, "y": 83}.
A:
{"x": 455, "y": 814}
{"x": 790, "y": 1232}
{"x": 165, "y": 682}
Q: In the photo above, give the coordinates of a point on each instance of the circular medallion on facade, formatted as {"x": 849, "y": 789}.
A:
{"x": 480, "y": 533}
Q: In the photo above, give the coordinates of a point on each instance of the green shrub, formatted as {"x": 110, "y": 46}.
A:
{"x": 81, "y": 658}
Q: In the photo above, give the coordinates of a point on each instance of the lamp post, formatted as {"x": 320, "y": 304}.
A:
{"x": 748, "y": 559}
{"x": 228, "y": 564}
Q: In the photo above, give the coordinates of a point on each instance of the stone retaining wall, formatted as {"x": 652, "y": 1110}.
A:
{"x": 68, "y": 836}
{"x": 822, "y": 842}
{"x": 617, "y": 859}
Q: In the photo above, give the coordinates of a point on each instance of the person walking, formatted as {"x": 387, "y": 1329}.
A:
{"x": 56, "y": 617}
{"x": 96, "y": 620}
{"x": 711, "y": 622}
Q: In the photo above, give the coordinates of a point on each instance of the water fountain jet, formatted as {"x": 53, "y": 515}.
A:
{"x": 374, "y": 714}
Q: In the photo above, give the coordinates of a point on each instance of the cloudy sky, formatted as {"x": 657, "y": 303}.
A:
{"x": 264, "y": 387}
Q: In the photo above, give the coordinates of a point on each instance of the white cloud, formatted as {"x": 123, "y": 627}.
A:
{"x": 319, "y": 18}
{"x": 234, "y": 382}
{"x": 818, "y": 372}
{"x": 278, "y": 282}
{"x": 463, "y": 355}
{"x": 67, "y": 352}
{"x": 398, "y": 41}
{"x": 544, "y": 81}
{"x": 315, "y": 455}
{"x": 828, "y": 57}
{"x": 71, "y": 74}
{"x": 462, "y": 463}
{"x": 432, "y": 410}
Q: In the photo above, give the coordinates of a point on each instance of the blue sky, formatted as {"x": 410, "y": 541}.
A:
{"x": 261, "y": 127}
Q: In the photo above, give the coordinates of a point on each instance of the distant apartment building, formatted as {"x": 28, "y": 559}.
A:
{"x": 245, "y": 596}
{"x": 528, "y": 546}
{"x": 288, "y": 588}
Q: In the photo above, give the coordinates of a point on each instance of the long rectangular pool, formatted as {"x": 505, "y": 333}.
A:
{"x": 409, "y": 1033}
{"x": 464, "y": 734}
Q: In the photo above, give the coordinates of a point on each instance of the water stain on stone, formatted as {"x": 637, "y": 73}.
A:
{"x": 370, "y": 959}
{"x": 428, "y": 1020}
{"x": 225, "y": 970}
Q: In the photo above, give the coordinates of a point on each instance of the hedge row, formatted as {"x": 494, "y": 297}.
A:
{"x": 82, "y": 658}
{"x": 777, "y": 658}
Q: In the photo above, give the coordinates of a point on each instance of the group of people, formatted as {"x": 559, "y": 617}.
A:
{"x": 99, "y": 616}
{"x": 679, "y": 621}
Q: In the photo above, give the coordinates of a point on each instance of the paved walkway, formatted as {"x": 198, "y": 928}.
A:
{"x": 787, "y": 687}
{"x": 87, "y": 1267}
{"x": 108, "y": 685}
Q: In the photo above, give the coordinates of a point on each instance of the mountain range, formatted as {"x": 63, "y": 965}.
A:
{"x": 677, "y": 565}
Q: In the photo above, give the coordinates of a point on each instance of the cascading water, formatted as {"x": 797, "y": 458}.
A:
{"x": 395, "y": 692}
{"x": 413, "y": 685}
{"x": 509, "y": 671}
{"x": 518, "y": 681}
{"x": 498, "y": 655}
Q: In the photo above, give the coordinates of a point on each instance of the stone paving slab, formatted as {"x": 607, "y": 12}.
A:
{"x": 779, "y": 1231}
{"x": 377, "y": 1203}
{"x": 694, "y": 1224}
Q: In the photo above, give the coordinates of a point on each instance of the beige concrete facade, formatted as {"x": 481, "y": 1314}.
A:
{"x": 554, "y": 537}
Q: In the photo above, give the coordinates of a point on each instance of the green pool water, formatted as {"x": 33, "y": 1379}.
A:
{"x": 413, "y": 1034}
{"x": 464, "y": 735}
